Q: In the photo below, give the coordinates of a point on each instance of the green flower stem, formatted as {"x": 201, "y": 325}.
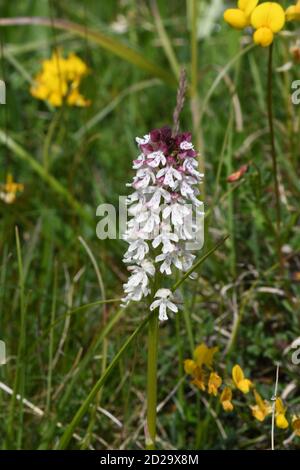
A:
{"x": 152, "y": 381}
{"x": 274, "y": 158}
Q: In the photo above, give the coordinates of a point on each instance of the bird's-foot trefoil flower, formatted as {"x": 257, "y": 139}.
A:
{"x": 280, "y": 411}
{"x": 292, "y": 13}
{"x": 226, "y": 399}
{"x": 261, "y": 409}
{"x": 267, "y": 19}
{"x": 214, "y": 383}
{"x": 9, "y": 190}
{"x": 204, "y": 355}
{"x": 59, "y": 81}
{"x": 296, "y": 425}
{"x": 239, "y": 379}
{"x": 200, "y": 369}
{"x": 239, "y": 18}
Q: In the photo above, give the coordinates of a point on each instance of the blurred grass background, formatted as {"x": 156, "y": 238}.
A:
{"x": 55, "y": 352}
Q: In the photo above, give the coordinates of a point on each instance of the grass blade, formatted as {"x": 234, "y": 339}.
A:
{"x": 107, "y": 42}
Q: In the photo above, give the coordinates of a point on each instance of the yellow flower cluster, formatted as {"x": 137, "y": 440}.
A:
{"x": 200, "y": 368}
{"x": 266, "y": 19}
{"x": 293, "y": 12}
{"x": 59, "y": 81}
{"x": 9, "y": 190}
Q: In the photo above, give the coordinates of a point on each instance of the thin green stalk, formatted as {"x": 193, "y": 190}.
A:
{"x": 274, "y": 157}
{"x": 20, "y": 367}
{"x": 189, "y": 328}
{"x": 230, "y": 199}
{"x": 48, "y": 138}
{"x": 274, "y": 408}
{"x": 195, "y": 105}
{"x": 51, "y": 343}
{"x": 194, "y": 46}
{"x": 152, "y": 382}
{"x": 180, "y": 359}
{"x": 164, "y": 39}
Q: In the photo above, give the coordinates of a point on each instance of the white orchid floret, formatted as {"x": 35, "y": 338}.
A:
{"x": 143, "y": 140}
{"x": 139, "y": 162}
{"x": 187, "y": 259}
{"x": 185, "y": 189}
{"x": 143, "y": 178}
{"x": 156, "y": 158}
{"x": 164, "y": 302}
{"x": 170, "y": 176}
{"x": 159, "y": 195}
{"x": 167, "y": 260}
{"x": 185, "y": 145}
{"x": 165, "y": 238}
{"x": 137, "y": 251}
{"x": 133, "y": 197}
{"x": 151, "y": 223}
{"x": 189, "y": 165}
{"x": 137, "y": 208}
{"x": 177, "y": 213}
{"x": 137, "y": 286}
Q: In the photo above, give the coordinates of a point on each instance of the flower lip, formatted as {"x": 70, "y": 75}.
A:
{"x": 263, "y": 37}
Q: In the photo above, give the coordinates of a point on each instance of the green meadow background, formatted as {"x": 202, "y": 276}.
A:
{"x": 55, "y": 272}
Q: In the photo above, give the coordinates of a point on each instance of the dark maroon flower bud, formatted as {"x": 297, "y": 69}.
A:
{"x": 155, "y": 135}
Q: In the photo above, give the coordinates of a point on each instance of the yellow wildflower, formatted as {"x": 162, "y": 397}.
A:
{"x": 296, "y": 425}
{"x": 59, "y": 81}
{"x": 226, "y": 399}
{"x": 239, "y": 17}
{"x": 199, "y": 379}
{"x": 239, "y": 379}
{"x": 190, "y": 366}
{"x": 281, "y": 421}
{"x": 204, "y": 355}
{"x": 267, "y": 18}
{"x": 261, "y": 409}
{"x": 214, "y": 383}
{"x": 292, "y": 13}
{"x": 9, "y": 190}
